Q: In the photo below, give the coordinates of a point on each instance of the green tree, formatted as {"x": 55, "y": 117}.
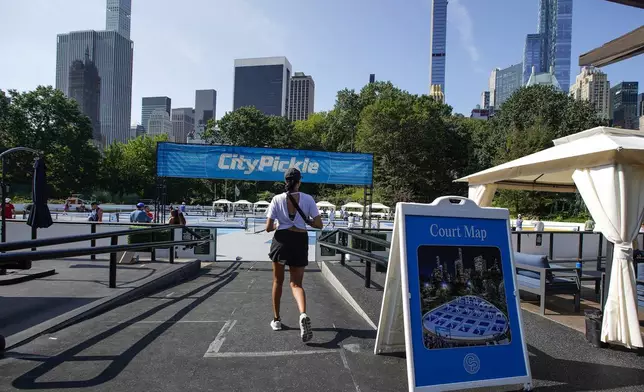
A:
{"x": 527, "y": 123}
{"x": 533, "y": 116}
{"x": 311, "y": 134}
{"x": 246, "y": 126}
{"x": 45, "y": 120}
{"x": 416, "y": 154}
{"x": 282, "y": 132}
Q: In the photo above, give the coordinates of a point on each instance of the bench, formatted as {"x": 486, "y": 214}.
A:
{"x": 535, "y": 275}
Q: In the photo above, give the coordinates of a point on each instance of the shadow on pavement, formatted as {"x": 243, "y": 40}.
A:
{"x": 361, "y": 275}
{"x": 580, "y": 376}
{"x": 341, "y": 334}
{"x": 34, "y": 310}
{"x": 118, "y": 362}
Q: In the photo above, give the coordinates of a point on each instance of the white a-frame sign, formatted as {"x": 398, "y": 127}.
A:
{"x": 450, "y": 298}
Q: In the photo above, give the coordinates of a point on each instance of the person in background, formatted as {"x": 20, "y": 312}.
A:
{"x": 589, "y": 225}
{"x": 519, "y": 223}
{"x": 96, "y": 214}
{"x": 66, "y": 207}
{"x": 139, "y": 215}
{"x": 538, "y": 224}
{"x": 182, "y": 208}
{"x": 9, "y": 209}
{"x": 176, "y": 218}
{"x": 292, "y": 210}
{"x": 148, "y": 212}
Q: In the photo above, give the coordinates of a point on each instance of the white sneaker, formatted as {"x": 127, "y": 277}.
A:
{"x": 276, "y": 325}
{"x": 306, "y": 333}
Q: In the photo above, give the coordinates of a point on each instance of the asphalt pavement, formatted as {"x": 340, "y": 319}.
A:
{"x": 212, "y": 334}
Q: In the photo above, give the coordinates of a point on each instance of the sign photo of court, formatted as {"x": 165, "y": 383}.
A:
{"x": 463, "y": 298}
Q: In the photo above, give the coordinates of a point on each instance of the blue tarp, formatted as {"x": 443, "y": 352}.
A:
{"x": 262, "y": 164}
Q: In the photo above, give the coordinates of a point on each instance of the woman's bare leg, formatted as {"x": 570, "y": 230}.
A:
{"x": 278, "y": 281}
{"x": 297, "y": 274}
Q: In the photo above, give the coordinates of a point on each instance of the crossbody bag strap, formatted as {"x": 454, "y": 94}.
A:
{"x": 299, "y": 210}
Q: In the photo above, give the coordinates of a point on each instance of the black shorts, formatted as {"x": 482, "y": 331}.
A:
{"x": 290, "y": 247}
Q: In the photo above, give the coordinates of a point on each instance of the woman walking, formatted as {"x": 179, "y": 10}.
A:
{"x": 289, "y": 213}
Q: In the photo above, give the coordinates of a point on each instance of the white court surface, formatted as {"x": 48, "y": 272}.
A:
{"x": 233, "y": 243}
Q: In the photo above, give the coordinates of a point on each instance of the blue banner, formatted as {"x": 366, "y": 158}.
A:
{"x": 262, "y": 164}
{"x": 464, "y": 319}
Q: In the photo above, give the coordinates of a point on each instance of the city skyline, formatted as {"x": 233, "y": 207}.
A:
{"x": 399, "y": 53}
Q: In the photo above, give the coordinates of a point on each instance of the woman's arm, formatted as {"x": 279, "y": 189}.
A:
{"x": 317, "y": 222}
{"x": 270, "y": 225}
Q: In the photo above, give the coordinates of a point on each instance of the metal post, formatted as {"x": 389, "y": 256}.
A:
{"x": 580, "y": 246}
{"x": 93, "y": 242}
{"x": 551, "y": 251}
{"x": 114, "y": 242}
{"x": 34, "y": 235}
{"x": 518, "y": 241}
{"x": 172, "y": 237}
{"x": 367, "y": 274}
{"x": 153, "y": 255}
{"x": 599, "y": 251}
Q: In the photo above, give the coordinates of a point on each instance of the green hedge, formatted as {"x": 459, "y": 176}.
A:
{"x": 142, "y": 238}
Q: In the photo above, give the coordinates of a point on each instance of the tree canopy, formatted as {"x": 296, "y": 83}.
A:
{"x": 419, "y": 146}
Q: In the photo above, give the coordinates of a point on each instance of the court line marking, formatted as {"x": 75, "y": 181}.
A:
{"x": 267, "y": 353}
{"x": 345, "y": 362}
{"x": 215, "y": 346}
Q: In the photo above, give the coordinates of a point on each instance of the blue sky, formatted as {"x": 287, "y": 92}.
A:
{"x": 192, "y": 44}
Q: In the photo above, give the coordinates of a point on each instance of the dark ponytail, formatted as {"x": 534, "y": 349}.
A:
{"x": 291, "y": 184}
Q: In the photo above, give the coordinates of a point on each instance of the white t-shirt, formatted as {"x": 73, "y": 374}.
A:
{"x": 278, "y": 210}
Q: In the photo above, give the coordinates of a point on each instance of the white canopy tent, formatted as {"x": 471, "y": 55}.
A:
{"x": 221, "y": 202}
{"x": 260, "y": 204}
{"x": 353, "y": 205}
{"x": 324, "y": 204}
{"x": 606, "y": 166}
{"x": 378, "y": 206}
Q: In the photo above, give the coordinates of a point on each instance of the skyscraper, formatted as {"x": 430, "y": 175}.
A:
{"x": 150, "y": 104}
{"x": 205, "y": 108}
{"x": 555, "y": 26}
{"x": 592, "y": 85}
{"x": 159, "y": 123}
{"x": 492, "y": 87}
{"x": 263, "y": 83}
{"x": 543, "y": 78}
{"x": 302, "y": 96}
{"x": 183, "y": 123}
{"x": 485, "y": 100}
{"x": 532, "y": 55}
{"x": 438, "y": 44}
{"x": 117, "y": 17}
{"x": 85, "y": 88}
{"x": 111, "y": 52}
{"x": 623, "y": 100}
{"x": 508, "y": 80}
{"x": 640, "y": 104}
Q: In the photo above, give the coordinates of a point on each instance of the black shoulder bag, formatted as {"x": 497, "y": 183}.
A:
{"x": 299, "y": 210}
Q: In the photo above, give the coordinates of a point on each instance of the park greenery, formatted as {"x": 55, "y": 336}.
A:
{"x": 419, "y": 146}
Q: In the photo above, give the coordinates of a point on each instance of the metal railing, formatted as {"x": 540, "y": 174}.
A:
{"x": 22, "y": 260}
{"x": 364, "y": 254}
